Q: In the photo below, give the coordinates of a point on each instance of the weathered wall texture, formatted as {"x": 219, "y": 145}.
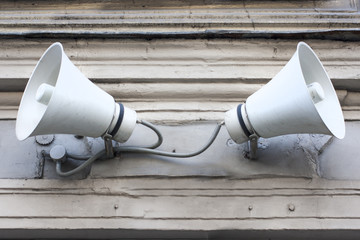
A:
{"x": 181, "y": 65}
{"x": 176, "y": 81}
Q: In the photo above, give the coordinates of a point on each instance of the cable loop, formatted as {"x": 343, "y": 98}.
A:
{"x": 168, "y": 154}
{"x": 158, "y": 133}
{"x": 133, "y": 149}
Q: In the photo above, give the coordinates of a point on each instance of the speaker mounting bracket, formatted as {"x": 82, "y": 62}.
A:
{"x": 253, "y": 146}
{"x": 108, "y": 146}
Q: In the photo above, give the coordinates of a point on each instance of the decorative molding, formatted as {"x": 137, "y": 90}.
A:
{"x": 183, "y": 18}
{"x": 179, "y": 80}
{"x": 182, "y": 61}
{"x": 180, "y": 205}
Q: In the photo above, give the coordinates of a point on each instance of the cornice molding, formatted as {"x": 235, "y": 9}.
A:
{"x": 181, "y": 61}
{"x": 201, "y": 19}
{"x": 176, "y": 81}
{"x": 182, "y": 204}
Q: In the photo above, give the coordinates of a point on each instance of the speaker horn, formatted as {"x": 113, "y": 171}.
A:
{"x": 58, "y": 98}
{"x": 299, "y": 99}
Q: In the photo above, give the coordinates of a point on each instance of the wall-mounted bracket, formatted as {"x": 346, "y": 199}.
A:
{"x": 108, "y": 146}
{"x": 253, "y": 146}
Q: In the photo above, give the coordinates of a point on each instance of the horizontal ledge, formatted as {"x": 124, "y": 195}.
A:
{"x": 199, "y": 218}
{"x": 188, "y": 183}
{"x": 159, "y": 95}
{"x": 352, "y": 34}
{"x": 195, "y": 192}
{"x": 173, "y": 208}
{"x": 168, "y": 117}
{"x": 175, "y": 61}
{"x": 111, "y": 5}
{"x": 320, "y": 228}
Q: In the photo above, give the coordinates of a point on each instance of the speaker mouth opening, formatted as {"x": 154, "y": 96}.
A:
{"x": 31, "y": 111}
{"x": 329, "y": 108}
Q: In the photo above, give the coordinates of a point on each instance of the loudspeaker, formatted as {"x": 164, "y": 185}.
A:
{"x": 299, "y": 99}
{"x": 58, "y": 98}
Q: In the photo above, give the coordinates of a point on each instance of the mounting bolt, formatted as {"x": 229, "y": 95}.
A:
{"x": 116, "y": 206}
{"x": 291, "y": 207}
{"x": 250, "y": 207}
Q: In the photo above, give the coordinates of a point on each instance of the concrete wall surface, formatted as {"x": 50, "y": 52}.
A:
{"x": 302, "y": 155}
{"x": 179, "y": 208}
{"x": 301, "y": 186}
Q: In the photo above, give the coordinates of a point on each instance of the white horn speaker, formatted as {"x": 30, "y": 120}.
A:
{"x": 58, "y": 98}
{"x": 299, "y": 99}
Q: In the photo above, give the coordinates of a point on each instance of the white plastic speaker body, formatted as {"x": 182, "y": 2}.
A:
{"x": 58, "y": 98}
{"x": 299, "y": 99}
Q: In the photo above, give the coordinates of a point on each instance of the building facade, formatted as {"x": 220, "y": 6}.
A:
{"x": 181, "y": 65}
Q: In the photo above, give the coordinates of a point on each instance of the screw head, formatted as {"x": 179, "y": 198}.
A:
{"x": 250, "y": 207}
{"x": 291, "y": 207}
{"x": 116, "y": 206}
{"x": 58, "y": 153}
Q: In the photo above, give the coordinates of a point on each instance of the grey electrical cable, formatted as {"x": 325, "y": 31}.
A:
{"x": 158, "y": 133}
{"x": 77, "y": 157}
{"x": 168, "y": 154}
{"x": 140, "y": 150}
{"x": 143, "y": 122}
{"x": 81, "y": 167}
